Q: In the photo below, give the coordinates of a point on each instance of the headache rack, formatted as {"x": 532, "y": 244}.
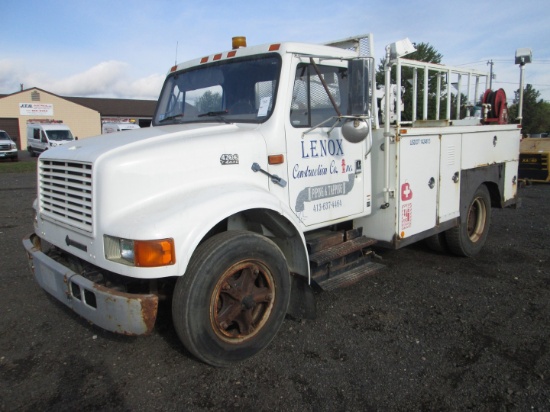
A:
{"x": 446, "y": 78}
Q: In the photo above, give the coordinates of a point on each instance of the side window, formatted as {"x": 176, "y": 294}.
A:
{"x": 311, "y": 104}
{"x": 36, "y": 134}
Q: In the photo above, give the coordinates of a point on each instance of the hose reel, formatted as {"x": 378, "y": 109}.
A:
{"x": 495, "y": 107}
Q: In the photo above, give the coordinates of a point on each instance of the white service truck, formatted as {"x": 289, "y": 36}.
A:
{"x": 266, "y": 174}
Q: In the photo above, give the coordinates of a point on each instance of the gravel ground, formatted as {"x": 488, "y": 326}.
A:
{"x": 431, "y": 332}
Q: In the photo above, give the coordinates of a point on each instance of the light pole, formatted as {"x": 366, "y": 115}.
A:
{"x": 523, "y": 56}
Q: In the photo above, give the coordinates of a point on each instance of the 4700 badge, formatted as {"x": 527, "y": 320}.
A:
{"x": 332, "y": 204}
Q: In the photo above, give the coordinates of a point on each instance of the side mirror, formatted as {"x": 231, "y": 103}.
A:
{"x": 358, "y": 72}
{"x": 356, "y": 130}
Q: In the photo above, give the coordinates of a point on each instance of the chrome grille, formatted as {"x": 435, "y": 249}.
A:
{"x": 66, "y": 192}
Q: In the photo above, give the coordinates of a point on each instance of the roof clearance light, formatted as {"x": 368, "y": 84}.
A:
{"x": 274, "y": 47}
{"x": 173, "y": 69}
{"x": 238, "y": 42}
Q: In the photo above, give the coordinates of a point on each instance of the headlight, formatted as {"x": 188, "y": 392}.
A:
{"x": 13, "y": 146}
{"x": 141, "y": 253}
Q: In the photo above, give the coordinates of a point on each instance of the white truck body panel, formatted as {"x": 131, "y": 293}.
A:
{"x": 439, "y": 153}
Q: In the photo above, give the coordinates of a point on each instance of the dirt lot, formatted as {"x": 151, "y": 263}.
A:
{"x": 431, "y": 332}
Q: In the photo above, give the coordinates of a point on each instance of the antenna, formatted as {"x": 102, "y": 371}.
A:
{"x": 176, "y": 62}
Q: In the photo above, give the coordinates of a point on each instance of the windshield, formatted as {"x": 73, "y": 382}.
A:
{"x": 4, "y": 135}
{"x": 59, "y": 135}
{"x": 236, "y": 90}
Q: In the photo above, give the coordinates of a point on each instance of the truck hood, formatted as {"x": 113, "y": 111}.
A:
{"x": 93, "y": 148}
{"x": 152, "y": 168}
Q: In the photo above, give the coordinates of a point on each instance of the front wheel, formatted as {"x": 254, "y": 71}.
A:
{"x": 469, "y": 237}
{"x": 232, "y": 299}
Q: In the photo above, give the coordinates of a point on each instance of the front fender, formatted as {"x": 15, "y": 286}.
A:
{"x": 188, "y": 217}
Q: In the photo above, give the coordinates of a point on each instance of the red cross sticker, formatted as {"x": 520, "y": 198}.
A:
{"x": 406, "y": 192}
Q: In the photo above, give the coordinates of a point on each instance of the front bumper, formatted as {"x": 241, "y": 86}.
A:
{"x": 9, "y": 155}
{"x": 115, "y": 311}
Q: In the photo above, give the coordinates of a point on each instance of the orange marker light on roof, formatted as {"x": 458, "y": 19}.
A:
{"x": 274, "y": 47}
{"x": 238, "y": 42}
{"x": 173, "y": 69}
{"x": 204, "y": 60}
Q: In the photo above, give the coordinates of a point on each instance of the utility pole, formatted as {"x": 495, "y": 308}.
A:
{"x": 490, "y": 62}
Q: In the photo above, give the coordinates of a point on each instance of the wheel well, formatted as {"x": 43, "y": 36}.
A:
{"x": 273, "y": 226}
{"x": 491, "y": 176}
{"x": 494, "y": 192}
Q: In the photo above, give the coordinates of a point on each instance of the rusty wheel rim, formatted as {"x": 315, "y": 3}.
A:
{"x": 477, "y": 217}
{"x": 242, "y": 301}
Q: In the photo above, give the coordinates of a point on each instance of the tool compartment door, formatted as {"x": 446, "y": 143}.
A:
{"x": 449, "y": 185}
{"x": 417, "y": 189}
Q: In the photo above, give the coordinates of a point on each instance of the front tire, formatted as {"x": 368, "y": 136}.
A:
{"x": 232, "y": 299}
{"x": 469, "y": 237}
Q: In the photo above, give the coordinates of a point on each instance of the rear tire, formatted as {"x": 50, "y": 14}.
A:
{"x": 232, "y": 299}
{"x": 469, "y": 237}
{"x": 437, "y": 243}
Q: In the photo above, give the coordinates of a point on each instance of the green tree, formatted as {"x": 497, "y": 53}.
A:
{"x": 535, "y": 113}
{"x": 209, "y": 102}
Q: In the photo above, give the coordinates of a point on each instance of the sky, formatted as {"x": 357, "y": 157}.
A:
{"x": 124, "y": 49}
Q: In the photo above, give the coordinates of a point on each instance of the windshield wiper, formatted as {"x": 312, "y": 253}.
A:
{"x": 217, "y": 115}
{"x": 171, "y": 117}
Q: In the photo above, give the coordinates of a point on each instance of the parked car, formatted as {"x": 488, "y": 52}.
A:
{"x": 8, "y": 148}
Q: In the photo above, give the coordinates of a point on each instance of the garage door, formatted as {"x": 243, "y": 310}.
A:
{"x": 12, "y": 127}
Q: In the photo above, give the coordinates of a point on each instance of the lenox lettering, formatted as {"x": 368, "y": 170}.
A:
{"x": 322, "y": 148}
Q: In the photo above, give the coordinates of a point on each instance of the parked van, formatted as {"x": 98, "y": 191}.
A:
{"x": 117, "y": 127}
{"x": 42, "y": 136}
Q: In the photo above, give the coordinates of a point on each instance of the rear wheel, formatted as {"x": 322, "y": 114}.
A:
{"x": 437, "y": 243}
{"x": 232, "y": 299}
{"x": 469, "y": 237}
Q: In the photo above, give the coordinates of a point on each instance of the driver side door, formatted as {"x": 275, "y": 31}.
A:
{"x": 325, "y": 170}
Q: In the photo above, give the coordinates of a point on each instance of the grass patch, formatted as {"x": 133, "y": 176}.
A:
{"x": 17, "y": 167}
